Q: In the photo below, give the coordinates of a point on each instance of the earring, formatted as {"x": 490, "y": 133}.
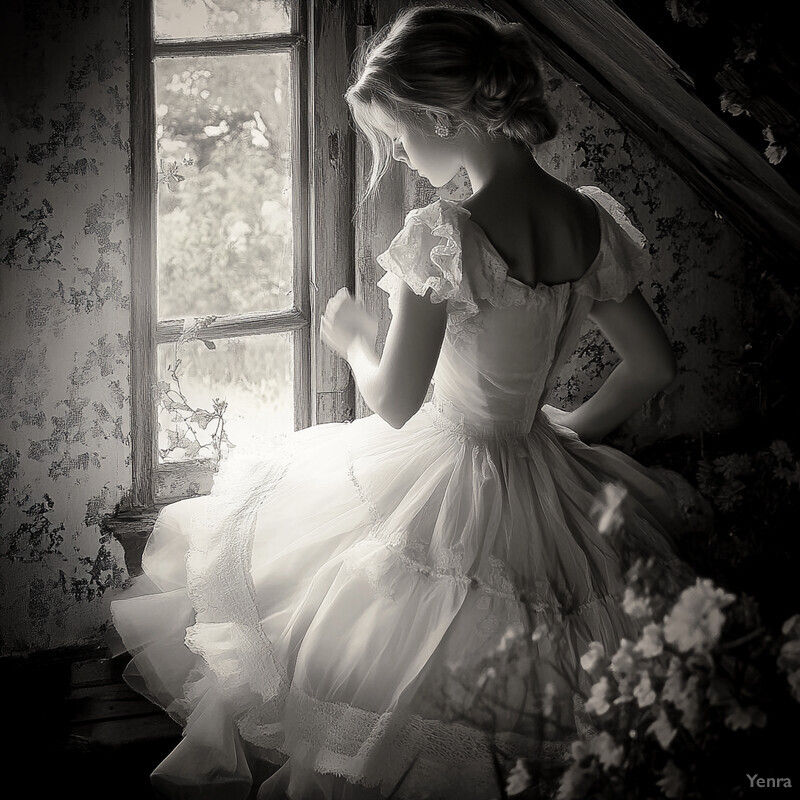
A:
{"x": 442, "y": 130}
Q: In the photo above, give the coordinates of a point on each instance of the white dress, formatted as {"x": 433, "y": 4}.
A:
{"x": 312, "y": 608}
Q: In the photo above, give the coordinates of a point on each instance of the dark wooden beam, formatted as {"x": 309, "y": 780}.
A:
{"x": 621, "y": 68}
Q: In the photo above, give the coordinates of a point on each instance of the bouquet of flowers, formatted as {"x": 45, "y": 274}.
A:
{"x": 693, "y": 708}
{"x": 699, "y": 706}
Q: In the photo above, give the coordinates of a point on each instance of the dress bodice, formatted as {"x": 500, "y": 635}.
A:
{"x": 505, "y": 341}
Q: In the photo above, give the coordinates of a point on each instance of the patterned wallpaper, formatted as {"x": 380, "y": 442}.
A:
{"x": 65, "y": 298}
{"x": 695, "y": 285}
{"x": 65, "y": 318}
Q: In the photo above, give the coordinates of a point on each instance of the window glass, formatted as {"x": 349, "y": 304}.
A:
{"x": 199, "y": 18}
{"x": 242, "y": 388}
{"x": 224, "y": 185}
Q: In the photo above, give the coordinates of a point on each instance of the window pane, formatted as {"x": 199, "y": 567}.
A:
{"x": 253, "y": 375}
{"x": 224, "y": 185}
{"x": 177, "y": 19}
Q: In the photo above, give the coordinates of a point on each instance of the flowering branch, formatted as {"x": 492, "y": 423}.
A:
{"x": 173, "y": 400}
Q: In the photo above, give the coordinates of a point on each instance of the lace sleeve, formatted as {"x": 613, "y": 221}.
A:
{"x": 622, "y": 259}
{"x": 426, "y": 255}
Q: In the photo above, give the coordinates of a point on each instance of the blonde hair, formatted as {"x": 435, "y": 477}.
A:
{"x": 456, "y": 66}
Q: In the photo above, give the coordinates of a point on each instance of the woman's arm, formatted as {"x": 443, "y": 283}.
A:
{"x": 648, "y": 366}
{"x": 393, "y": 385}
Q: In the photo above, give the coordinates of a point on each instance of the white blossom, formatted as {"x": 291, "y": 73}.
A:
{"x": 662, "y": 729}
{"x": 513, "y": 632}
{"x": 695, "y": 622}
{"x": 644, "y": 694}
{"x": 608, "y": 752}
{"x": 548, "y": 698}
{"x": 794, "y": 683}
{"x": 490, "y": 673}
{"x": 650, "y": 645}
{"x": 635, "y": 606}
{"x": 579, "y": 750}
{"x": 591, "y": 658}
{"x": 684, "y": 696}
{"x": 539, "y": 631}
{"x": 624, "y": 660}
{"x": 607, "y": 509}
{"x": 598, "y": 701}
{"x": 673, "y": 781}
{"x": 572, "y": 781}
{"x": 742, "y": 718}
{"x": 789, "y": 657}
{"x": 519, "y": 779}
{"x": 791, "y": 626}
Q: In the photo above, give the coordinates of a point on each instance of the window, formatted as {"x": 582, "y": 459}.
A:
{"x": 222, "y": 322}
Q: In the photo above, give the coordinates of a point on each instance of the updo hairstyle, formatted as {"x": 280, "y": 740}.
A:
{"x": 451, "y": 65}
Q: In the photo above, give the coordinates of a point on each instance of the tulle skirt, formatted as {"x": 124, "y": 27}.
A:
{"x": 334, "y": 606}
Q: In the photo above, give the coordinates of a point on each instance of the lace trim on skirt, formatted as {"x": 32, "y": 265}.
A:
{"x": 228, "y": 633}
{"x": 442, "y": 759}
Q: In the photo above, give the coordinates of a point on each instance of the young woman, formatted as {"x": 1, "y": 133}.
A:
{"x": 335, "y": 598}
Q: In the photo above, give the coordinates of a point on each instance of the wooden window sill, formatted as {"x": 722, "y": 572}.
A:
{"x": 132, "y": 529}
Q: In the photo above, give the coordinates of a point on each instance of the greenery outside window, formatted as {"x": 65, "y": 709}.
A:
{"x": 221, "y": 312}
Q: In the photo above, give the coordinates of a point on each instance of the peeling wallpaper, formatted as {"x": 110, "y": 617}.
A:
{"x": 65, "y": 345}
{"x": 64, "y": 317}
{"x": 696, "y": 285}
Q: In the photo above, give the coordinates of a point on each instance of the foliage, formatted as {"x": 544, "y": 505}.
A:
{"x": 694, "y": 705}
{"x": 224, "y": 207}
{"x": 224, "y": 217}
{"x": 756, "y": 41}
{"x": 221, "y": 17}
{"x": 183, "y": 438}
{"x": 750, "y": 480}
{"x": 748, "y": 488}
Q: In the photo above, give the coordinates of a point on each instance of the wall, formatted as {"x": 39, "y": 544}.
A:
{"x": 65, "y": 296}
{"x": 696, "y": 285}
{"x": 64, "y": 317}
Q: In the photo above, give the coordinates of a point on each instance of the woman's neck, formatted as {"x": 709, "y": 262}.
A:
{"x": 500, "y": 164}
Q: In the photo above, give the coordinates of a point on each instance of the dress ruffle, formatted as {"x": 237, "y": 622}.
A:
{"x": 427, "y": 254}
{"x": 415, "y": 258}
{"x": 622, "y": 260}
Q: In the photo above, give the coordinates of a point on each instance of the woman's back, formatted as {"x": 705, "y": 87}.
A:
{"x": 544, "y": 230}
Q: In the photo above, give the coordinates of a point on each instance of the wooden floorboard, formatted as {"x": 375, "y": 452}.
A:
{"x": 79, "y": 727}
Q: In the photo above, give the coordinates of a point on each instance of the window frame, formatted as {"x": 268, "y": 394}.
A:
{"x": 153, "y": 483}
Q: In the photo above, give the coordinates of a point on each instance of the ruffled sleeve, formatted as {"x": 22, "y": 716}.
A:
{"x": 622, "y": 260}
{"x": 426, "y": 254}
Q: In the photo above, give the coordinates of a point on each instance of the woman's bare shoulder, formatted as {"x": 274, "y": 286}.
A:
{"x": 549, "y": 236}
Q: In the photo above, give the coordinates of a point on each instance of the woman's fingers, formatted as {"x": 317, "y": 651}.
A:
{"x": 337, "y": 301}
{"x": 338, "y": 319}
